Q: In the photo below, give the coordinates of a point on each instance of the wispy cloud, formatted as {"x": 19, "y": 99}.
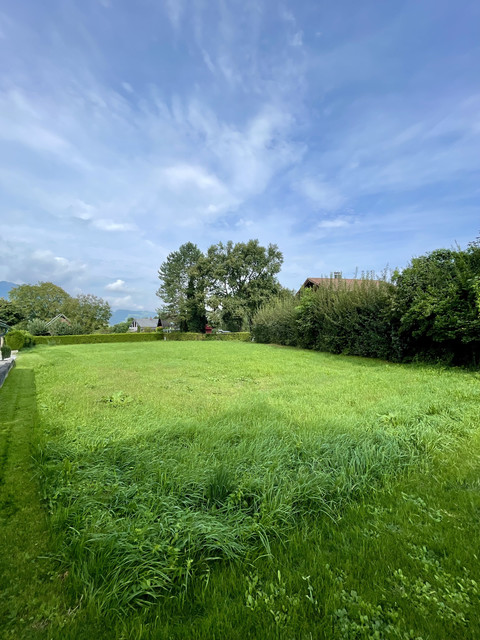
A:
{"x": 323, "y": 195}
{"x": 125, "y": 132}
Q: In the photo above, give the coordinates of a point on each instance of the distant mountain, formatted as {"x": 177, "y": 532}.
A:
{"x": 5, "y": 288}
{"x": 122, "y": 314}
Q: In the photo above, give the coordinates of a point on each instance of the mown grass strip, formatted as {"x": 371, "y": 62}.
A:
{"x": 31, "y": 598}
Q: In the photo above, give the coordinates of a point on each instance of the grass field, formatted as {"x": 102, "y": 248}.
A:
{"x": 224, "y": 490}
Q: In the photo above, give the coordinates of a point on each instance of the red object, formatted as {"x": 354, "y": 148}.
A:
{"x": 208, "y": 328}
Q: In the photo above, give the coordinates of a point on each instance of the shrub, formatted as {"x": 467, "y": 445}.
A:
{"x": 37, "y": 327}
{"x": 121, "y": 327}
{"x": 18, "y": 339}
{"x": 437, "y": 306}
{"x": 238, "y": 336}
{"x": 96, "y": 338}
{"x": 334, "y": 317}
{"x": 62, "y": 328}
{"x": 277, "y": 321}
{"x": 6, "y": 352}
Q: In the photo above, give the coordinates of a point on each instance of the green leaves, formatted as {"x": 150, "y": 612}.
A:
{"x": 227, "y": 285}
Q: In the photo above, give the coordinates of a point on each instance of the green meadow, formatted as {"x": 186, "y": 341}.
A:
{"x": 234, "y": 490}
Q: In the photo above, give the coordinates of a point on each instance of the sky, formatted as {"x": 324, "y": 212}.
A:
{"x": 347, "y": 133}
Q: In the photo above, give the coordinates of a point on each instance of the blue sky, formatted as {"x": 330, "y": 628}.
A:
{"x": 346, "y": 132}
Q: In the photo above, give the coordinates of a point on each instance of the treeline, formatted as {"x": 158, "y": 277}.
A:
{"x": 34, "y": 308}
{"x": 430, "y": 311}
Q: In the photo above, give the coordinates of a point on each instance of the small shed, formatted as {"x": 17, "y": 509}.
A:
{"x": 144, "y": 324}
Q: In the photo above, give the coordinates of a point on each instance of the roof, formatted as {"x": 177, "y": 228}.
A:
{"x": 348, "y": 283}
{"x": 59, "y": 317}
{"x": 146, "y": 322}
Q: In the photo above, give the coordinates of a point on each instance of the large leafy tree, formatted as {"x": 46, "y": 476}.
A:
{"x": 228, "y": 284}
{"x": 44, "y": 300}
{"x": 241, "y": 278}
{"x": 10, "y": 313}
{"x": 88, "y": 312}
{"x": 180, "y": 289}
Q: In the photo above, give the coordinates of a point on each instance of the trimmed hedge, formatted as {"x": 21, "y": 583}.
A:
{"x": 96, "y": 338}
{"x": 6, "y": 352}
{"x": 177, "y": 336}
{"x": 18, "y": 339}
{"x": 239, "y": 336}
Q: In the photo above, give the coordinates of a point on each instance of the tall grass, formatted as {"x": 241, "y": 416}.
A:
{"x": 190, "y": 455}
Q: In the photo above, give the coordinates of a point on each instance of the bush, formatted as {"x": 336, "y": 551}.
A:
{"x": 37, "y": 327}
{"x": 6, "y": 352}
{"x": 354, "y": 321}
{"x": 437, "y": 307}
{"x": 277, "y": 321}
{"x": 121, "y": 327}
{"x": 62, "y": 328}
{"x": 97, "y": 338}
{"x": 334, "y": 317}
{"x": 18, "y": 339}
{"x": 238, "y": 336}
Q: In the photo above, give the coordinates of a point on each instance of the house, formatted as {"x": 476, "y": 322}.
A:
{"x": 60, "y": 318}
{"x": 336, "y": 280}
{"x": 144, "y": 324}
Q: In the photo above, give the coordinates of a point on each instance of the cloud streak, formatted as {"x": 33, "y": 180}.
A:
{"x": 126, "y": 131}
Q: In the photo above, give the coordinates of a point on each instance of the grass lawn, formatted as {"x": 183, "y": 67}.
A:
{"x": 232, "y": 490}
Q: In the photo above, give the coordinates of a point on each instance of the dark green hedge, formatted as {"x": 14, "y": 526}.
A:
{"x": 239, "y": 336}
{"x": 97, "y": 338}
{"x": 19, "y": 339}
{"x": 242, "y": 336}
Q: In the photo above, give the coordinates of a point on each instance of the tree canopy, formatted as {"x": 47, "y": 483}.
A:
{"x": 41, "y": 302}
{"x": 88, "y": 311}
{"x": 226, "y": 285}
{"x": 175, "y": 275}
{"x": 44, "y": 300}
{"x": 10, "y": 312}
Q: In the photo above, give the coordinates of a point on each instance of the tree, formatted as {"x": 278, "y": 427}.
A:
{"x": 10, "y": 312}
{"x": 227, "y": 285}
{"x": 241, "y": 278}
{"x": 436, "y": 305}
{"x": 44, "y": 300}
{"x": 175, "y": 275}
{"x": 122, "y": 327}
{"x": 88, "y": 312}
{"x": 195, "y": 314}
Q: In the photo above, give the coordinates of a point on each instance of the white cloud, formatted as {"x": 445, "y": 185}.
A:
{"x": 110, "y": 225}
{"x": 118, "y": 285}
{"x": 124, "y": 301}
{"x": 336, "y": 223}
{"x": 27, "y": 264}
{"x": 182, "y": 176}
